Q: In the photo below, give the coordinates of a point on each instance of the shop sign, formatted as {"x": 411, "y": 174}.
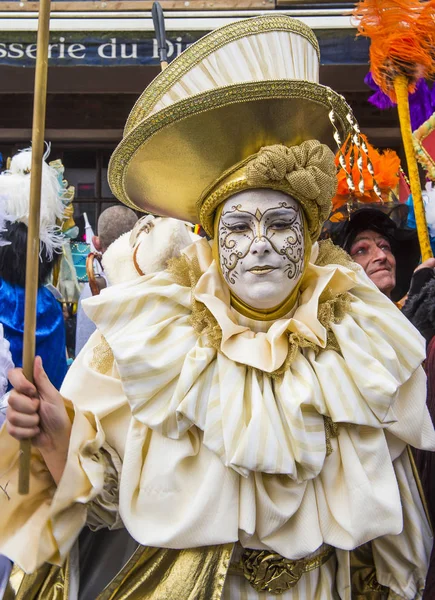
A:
{"x": 133, "y": 49}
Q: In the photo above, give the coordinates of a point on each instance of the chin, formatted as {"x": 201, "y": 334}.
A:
{"x": 260, "y": 297}
{"x": 385, "y": 284}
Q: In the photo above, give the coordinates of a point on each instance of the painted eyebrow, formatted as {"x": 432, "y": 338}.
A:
{"x": 281, "y": 212}
{"x": 237, "y": 216}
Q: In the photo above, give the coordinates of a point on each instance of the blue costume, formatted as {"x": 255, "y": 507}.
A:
{"x": 50, "y": 331}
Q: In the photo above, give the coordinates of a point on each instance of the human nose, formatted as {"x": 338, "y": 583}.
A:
{"x": 379, "y": 254}
{"x": 260, "y": 245}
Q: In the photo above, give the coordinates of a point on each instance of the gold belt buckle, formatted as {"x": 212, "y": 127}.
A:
{"x": 271, "y": 572}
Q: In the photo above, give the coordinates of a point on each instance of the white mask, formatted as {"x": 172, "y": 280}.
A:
{"x": 261, "y": 246}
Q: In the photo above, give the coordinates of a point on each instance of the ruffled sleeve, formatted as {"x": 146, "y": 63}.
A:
{"x": 50, "y": 519}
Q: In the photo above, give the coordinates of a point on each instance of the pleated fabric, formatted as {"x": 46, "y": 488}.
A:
{"x": 214, "y": 450}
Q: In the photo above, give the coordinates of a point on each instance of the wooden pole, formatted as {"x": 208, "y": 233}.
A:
{"x": 32, "y": 258}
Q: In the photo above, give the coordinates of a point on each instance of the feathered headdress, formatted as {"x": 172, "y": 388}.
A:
{"x": 15, "y": 197}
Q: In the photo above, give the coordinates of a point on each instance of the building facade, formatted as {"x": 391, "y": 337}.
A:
{"x": 103, "y": 54}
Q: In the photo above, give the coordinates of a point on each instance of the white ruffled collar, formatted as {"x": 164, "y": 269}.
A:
{"x": 265, "y": 347}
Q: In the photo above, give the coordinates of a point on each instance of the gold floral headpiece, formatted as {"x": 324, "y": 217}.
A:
{"x": 306, "y": 172}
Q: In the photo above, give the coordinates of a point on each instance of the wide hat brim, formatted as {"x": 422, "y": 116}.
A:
{"x": 167, "y": 161}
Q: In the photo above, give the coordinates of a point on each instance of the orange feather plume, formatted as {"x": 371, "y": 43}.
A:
{"x": 402, "y": 34}
{"x": 385, "y": 167}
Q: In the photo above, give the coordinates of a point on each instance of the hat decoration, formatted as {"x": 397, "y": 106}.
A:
{"x": 215, "y": 107}
{"x": 56, "y": 196}
{"x": 377, "y": 182}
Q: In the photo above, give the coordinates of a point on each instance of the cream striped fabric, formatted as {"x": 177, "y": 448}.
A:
{"x": 196, "y": 433}
{"x": 251, "y": 421}
{"x": 260, "y": 57}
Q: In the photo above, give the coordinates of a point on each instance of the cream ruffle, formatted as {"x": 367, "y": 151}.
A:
{"x": 190, "y": 499}
{"x": 174, "y": 381}
{"x": 196, "y": 412}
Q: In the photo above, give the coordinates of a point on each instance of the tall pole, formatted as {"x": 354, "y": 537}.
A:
{"x": 401, "y": 88}
{"x": 32, "y": 258}
{"x": 159, "y": 27}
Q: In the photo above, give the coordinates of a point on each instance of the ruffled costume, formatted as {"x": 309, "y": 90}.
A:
{"x": 218, "y": 445}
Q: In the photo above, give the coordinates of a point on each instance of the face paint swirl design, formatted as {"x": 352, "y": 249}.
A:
{"x": 261, "y": 246}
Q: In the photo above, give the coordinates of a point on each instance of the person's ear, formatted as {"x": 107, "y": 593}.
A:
{"x": 97, "y": 243}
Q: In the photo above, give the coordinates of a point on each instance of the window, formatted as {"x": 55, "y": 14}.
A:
{"x": 86, "y": 170}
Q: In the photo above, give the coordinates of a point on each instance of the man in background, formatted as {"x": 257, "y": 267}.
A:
{"x": 112, "y": 223}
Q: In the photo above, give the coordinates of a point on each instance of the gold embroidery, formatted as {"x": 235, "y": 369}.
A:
{"x": 270, "y": 572}
{"x": 304, "y": 172}
{"x": 204, "y": 47}
{"x": 187, "y": 272}
{"x": 102, "y": 358}
{"x": 330, "y": 254}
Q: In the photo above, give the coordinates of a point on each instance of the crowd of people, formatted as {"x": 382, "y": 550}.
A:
{"x": 238, "y": 420}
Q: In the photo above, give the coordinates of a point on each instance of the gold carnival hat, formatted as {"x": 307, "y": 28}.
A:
{"x": 242, "y": 87}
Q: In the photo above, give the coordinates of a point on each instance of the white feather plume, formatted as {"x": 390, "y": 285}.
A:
{"x": 15, "y": 198}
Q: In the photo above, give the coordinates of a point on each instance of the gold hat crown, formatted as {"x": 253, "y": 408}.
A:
{"x": 243, "y": 87}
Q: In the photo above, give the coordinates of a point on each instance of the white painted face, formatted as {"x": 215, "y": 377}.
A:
{"x": 261, "y": 246}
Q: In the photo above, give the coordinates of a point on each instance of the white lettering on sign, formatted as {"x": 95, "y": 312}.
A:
{"x": 133, "y": 50}
{"x": 74, "y": 49}
{"x": 92, "y": 51}
{"x": 31, "y": 51}
{"x": 108, "y": 50}
{"x": 16, "y": 50}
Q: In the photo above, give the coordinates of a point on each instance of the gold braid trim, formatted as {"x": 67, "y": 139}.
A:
{"x": 186, "y": 273}
{"x": 331, "y": 431}
{"x": 332, "y": 309}
{"x": 330, "y": 254}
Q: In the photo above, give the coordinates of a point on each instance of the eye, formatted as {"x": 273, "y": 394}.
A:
{"x": 238, "y": 227}
{"x": 385, "y": 247}
{"x": 280, "y": 225}
{"x": 358, "y": 251}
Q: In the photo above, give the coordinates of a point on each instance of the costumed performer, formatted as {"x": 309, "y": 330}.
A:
{"x": 14, "y": 213}
{"x": 245, "y": 413}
